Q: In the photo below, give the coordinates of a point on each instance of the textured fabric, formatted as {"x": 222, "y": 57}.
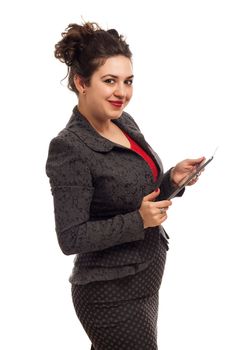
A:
{"x": 93, "y": 272}
{"x": 122, "y": 313}
{"x": 97, "y": 187}
{"x": 135, "y": 147}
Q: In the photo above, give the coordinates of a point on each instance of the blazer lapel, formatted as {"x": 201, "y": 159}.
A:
{"x": 124, "y": 123}
{"x": 81, "y": 127}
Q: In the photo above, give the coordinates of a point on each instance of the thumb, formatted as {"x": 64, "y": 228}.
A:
{"x": 196, "y": 161}
{"x": 151, "y": 196}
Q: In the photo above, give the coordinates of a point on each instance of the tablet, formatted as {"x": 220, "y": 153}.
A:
{"x": 190, "y": 177}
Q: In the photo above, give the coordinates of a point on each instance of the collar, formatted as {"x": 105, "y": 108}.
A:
{"x": 79, "y": 125}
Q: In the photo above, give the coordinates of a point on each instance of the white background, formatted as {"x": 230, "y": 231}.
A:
{"x": 183, "y": 103}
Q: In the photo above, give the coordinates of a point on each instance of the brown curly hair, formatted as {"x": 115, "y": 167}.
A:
{"x": 84, "y": 48}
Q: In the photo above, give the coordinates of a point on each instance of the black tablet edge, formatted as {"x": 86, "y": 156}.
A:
{"x": 191, "y": 176}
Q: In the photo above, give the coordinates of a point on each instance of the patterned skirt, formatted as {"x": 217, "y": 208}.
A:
{"x": 121, "y": 314}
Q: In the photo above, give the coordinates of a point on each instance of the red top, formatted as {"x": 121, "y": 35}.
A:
{"x": 135, "y": 147}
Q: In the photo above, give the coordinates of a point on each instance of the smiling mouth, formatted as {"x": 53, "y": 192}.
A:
{"x": 116, "y": 103}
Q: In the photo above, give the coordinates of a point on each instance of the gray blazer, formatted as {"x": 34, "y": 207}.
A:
{"x": 97, "y": 187}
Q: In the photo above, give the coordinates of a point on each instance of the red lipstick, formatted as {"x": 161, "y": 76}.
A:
{"x": 117, "y": 104}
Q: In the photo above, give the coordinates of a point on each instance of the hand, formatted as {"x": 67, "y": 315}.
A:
{"x": 183, "y": 169}
{"x": 153, "y": 213}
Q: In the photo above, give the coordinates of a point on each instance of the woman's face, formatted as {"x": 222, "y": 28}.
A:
{"x": 110, "y": 89}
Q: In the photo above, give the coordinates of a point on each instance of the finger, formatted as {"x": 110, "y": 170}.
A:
{"x": 195, "y": 161}
{"x": 163, "y": 204}
{"x": 151, "y": 196}
{"x": 193, "y": 181}
{"x": 163, "y": 219}
{"x": 162, "y": 211}
{"x": 200, "y": 172}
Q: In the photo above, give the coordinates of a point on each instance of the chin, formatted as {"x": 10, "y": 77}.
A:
{"x": 115, "y": 114}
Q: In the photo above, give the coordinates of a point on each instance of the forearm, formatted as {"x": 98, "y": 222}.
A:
{"x": 101, "y": 234}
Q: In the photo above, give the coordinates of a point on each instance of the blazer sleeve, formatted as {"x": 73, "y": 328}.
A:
{"x": 71, "y": 186}
{"x": 167, "y": 187}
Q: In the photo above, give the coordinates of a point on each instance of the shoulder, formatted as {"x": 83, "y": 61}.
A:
{"x": 65, "y": 142}
{"x": 64, "y": 150}
{"x": 66, "y": 162}
{"x": 128, "y": 119}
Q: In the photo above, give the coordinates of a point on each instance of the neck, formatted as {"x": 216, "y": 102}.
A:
{"x": 101, "y": 125}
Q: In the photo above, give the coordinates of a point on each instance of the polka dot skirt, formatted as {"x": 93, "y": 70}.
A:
{"x": 121, "y": 314}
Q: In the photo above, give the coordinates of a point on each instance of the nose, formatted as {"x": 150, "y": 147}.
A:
{"x": 120, "y": 91}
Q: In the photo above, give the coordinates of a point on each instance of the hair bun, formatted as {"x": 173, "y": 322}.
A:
{"x": 114, "y": 33}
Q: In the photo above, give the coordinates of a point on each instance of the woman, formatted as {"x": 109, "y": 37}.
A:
{"x": 110, "y": 195}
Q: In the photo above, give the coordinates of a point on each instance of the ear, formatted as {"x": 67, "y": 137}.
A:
{"x": 79, "y": 84}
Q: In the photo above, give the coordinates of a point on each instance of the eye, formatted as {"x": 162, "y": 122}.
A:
{"x": 129, "y": 82}
{"x": 109, "y": 81}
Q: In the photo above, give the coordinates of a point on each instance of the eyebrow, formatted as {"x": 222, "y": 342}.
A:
{"x": 115, "y": 76}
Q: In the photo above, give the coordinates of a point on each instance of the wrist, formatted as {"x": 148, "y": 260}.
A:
{"x": 142, "y": 218}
